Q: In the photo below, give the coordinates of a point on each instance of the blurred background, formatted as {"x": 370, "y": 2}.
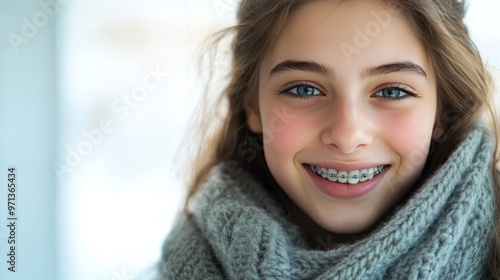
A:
{"x": 95, "y": 98}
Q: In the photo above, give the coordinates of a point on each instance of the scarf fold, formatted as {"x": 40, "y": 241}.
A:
{"x": 443, "y": 231}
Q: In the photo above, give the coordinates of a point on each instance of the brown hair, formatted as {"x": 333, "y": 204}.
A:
{"x": 463, "y": 84}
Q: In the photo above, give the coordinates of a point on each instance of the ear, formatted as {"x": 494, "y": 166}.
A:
{"x": 253, "y": 119}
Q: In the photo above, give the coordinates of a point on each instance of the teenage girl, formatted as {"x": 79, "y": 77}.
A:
{"x": 359, "y": 143}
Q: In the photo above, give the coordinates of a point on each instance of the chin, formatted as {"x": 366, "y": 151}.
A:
{"x": 349, "y": 225}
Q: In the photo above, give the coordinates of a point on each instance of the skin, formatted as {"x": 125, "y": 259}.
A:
{"x": 347, "y": 120}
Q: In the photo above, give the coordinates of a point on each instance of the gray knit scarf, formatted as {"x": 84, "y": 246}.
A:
{"x": 237, "y": 230}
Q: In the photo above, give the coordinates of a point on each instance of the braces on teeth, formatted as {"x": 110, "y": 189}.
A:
{"x": 352, "y": 177}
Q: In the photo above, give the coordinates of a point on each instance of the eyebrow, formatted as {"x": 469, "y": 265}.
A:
{"x": 404, "y": 66}
{"x": 310, "y": 66}
{"x": 307, "y": 66}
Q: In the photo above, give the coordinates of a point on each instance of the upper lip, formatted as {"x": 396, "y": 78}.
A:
{"x": 347, "y": 166}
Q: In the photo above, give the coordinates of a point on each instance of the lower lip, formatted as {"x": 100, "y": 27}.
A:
{"x": 345, "y": 191}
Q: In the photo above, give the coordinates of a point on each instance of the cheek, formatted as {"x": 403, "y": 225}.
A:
{"x": 285, "y": 131}
{"x": 409, "y": 136}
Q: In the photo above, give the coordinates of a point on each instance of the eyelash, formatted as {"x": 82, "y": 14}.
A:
{"x": 296, "y": 85}
{"x": 405, "y": 89}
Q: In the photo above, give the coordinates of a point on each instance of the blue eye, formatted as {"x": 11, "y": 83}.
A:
{"x": 392, "y": 93}
{"x": 303, "y": 91}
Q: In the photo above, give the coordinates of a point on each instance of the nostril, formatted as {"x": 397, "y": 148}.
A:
{"x": 346, "y": 140}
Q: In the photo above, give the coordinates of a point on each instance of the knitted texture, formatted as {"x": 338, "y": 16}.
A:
{"x": 237, "y": 230}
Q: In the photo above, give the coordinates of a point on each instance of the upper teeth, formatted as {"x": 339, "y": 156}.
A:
{"x": 351, "y": 177}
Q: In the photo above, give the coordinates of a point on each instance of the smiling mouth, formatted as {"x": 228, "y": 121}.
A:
{"x": 352, "y": 177}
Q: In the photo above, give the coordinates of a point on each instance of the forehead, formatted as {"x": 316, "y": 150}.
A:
{"x": 347, "y": 34}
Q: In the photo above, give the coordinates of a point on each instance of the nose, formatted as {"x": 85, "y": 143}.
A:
{"x": 347, "y": 127}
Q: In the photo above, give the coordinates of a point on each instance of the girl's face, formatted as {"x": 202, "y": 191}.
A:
{"x": 347, "y": 104}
